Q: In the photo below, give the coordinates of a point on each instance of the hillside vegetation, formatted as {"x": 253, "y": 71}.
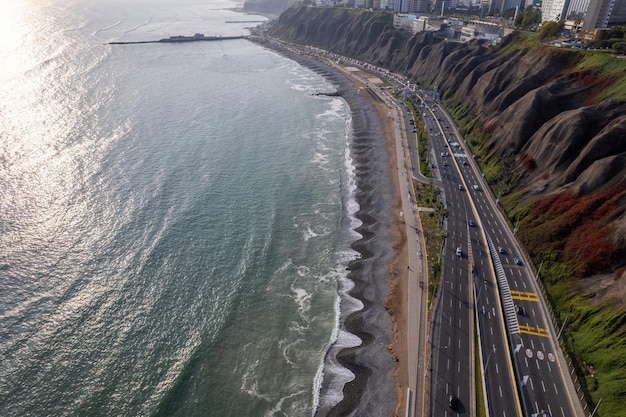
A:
{"x": 548, "y": 128}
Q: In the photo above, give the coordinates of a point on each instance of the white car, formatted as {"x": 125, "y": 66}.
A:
{"x": 458, "y": 251}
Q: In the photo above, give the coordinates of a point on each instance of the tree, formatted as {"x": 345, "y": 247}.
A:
{"x": 528, "y": 18}
{"x": 550, "y": 30}
{"x": 620, "y": 47}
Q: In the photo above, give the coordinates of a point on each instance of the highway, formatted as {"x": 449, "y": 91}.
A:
{"x": 466, "y": 273}
{"x": 524, "y": 355}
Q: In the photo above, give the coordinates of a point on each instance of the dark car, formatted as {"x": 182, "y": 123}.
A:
{"x": 517, "y": 261}
{"x": 452, "y": 401}
{"x": 471, "y": 223}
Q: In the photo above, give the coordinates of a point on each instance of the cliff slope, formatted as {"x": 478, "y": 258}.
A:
{"x": 552, "y": 119}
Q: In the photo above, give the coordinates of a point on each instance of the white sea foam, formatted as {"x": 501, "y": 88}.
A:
{"x": 249, "y": 383}
{"x": 336, "y": 110}
{"x": 303, "y": 298}
{"x": 309, "y": 234}
{"x": 277, "y": 409}
{"x": 303, "y": 270}
{"x": 320, "y": 159}
{"x": 332, "y": 376}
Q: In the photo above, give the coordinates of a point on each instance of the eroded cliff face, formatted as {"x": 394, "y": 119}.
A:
{"x": 532, "y": 105}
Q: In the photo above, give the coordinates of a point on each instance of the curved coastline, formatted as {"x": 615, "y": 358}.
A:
{"x": 372, "y": 392}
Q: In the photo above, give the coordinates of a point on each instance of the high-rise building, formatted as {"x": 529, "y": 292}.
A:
{"x": 597, "y": 13}
{"x": 410, "y": 6}
{"x": 554, "y": 10}
{"x": 577, "y": 7}
{"x": 604, "y": 13}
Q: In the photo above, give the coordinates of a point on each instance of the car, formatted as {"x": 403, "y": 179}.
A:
{"x": 501, "y": 250}
{"x": 413, "y": 131}
{"x": 471, "y": 223}
{"x": 517, "y": 261}
{"x": 461, "y": 187}
{"x": 452, "y": 401}
{"x": 520, "y": 310}
{"x": 465, "y": 163}
{"x": 443, "y": 154}
{"x": 445, "y": 164}
{"x": 476, "y": 187}
{"x": 458, "y": 252}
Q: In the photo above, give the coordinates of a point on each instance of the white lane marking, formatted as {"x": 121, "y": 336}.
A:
{"x": 534, "y": 314}
{"x": 491, "y": 330}
{"x": 532, "y": 386}
{"x": 549, "y": 367}
{"x": 537, "y": 363}
{"x": 562, "y": 412}
{"x": 459, "y": 367}
{"x": 497, "y": 369}
{"x": 526, "y": 360}
{"x": 459, "y": 344}
{"x": 519, "y": 272}
{"x": 555, "y": 389}
{"x": 543, "y": 386}
{"x": 448, "y": 365}
{"x": 500, "y": 389}
{"x": 515, "y": 282}
{"x": 524, "y": 284}
{"x": 532, "y": 344}
{"x": 543, "y": 346}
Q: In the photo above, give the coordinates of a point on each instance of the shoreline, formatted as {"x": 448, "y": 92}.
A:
{"x": 376, "y": 390}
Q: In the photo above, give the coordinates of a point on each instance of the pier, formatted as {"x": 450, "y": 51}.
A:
{"x": 198, "y": 37}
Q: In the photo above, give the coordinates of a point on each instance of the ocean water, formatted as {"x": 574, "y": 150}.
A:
{"x": 175, "y": 219}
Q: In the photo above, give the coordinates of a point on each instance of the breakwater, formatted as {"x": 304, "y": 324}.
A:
{"x": 180, "y": 39}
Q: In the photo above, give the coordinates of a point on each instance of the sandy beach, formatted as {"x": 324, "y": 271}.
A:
{"x": 380, "y": 363}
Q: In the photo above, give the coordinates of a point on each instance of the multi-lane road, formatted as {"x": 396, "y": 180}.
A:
{"x": 466, "y": 274}
{"x": 517, "y": 347}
